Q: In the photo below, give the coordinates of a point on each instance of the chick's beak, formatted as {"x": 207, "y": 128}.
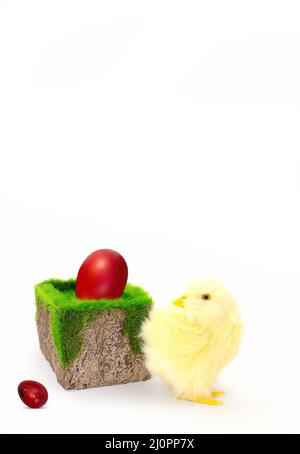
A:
{"x": 180, "y": 301}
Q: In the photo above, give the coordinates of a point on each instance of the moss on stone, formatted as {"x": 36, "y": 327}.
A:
{"x": 70, "y": 315}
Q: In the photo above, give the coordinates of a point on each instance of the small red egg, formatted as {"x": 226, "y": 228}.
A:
{"x": 33, "y": 393}
{"x": 103, "y": 274}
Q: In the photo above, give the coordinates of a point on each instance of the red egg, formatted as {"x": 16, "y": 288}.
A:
{"x": 103, "y": 274}
{"x": 32, "y": 393}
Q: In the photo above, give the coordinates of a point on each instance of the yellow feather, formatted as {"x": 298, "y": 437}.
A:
{"x": 187, "y": 344}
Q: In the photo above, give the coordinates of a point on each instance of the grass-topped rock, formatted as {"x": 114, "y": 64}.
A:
{"x": 91, "y": 343}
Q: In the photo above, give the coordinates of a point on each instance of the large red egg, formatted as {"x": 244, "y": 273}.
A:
{"x": 103, "y": 274}
{"x": 33, "y": 393}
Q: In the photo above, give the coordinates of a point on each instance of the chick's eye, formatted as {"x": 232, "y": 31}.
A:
{"x": 205, "y": 296}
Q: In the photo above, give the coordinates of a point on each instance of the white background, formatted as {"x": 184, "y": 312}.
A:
{"x": 169, "y": 131}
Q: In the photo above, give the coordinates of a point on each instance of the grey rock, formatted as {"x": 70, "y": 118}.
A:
{"x": 105, "y": 358}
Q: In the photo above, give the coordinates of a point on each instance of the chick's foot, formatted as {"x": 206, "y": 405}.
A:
{"x": 207, "y": 401}
{"x": 217, "y": 393}
{"x": 202, "y": 400}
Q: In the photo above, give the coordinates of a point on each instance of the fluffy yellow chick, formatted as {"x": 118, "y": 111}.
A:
{"x": 188, "y": 342}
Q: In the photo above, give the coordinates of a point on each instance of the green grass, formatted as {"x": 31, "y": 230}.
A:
{"x": 69, "y": 315}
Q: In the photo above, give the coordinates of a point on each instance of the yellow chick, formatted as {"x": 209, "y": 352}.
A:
{"x": 188, "y": 342}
